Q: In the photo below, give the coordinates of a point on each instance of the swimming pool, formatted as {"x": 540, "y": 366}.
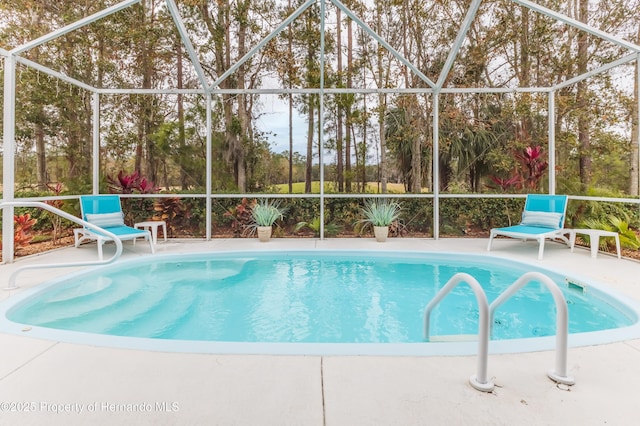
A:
{"x": 305, "y": 302}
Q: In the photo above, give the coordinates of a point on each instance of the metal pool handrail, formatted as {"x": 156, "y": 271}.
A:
{"x": 479, "y": 380}
{"x": 12, "y": 279}
{"x": 558, "y": 375}
{"x": 485, "y": 321}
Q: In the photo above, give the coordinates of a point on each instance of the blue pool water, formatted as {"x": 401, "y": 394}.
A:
{"x": 305, "y": 297}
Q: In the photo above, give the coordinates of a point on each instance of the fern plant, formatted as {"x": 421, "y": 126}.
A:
{"x": 628, "y": 237}
{"x": 330, "y": 229}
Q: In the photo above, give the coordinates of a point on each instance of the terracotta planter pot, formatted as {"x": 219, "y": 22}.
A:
{"x": 264, "y": 233}
{"x": 381, "y": 233}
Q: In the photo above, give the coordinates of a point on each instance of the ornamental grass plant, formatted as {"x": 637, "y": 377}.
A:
{"x": 379, "y": 212}
{"x": 266, "y": 212}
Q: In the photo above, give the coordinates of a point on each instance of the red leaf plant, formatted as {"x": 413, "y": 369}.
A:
{"x": 532, "y": 169}
{"x": 22, "y": 229}
{"x": 533, "y": 165}
{"x": 128, "y": 184}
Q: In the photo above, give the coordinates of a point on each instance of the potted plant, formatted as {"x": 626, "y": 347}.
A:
{"x": 264, "y": 214}
{"x": 380, "y": 213}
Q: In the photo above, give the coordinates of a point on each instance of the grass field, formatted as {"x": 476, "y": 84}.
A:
{"x": 331, "y": 188}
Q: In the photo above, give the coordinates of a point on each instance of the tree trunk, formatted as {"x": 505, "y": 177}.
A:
{"x": 41, "y": 155}
{"x": 348, "y": 141}
{"x": 382, "y": 105}
{"x": 634, "y": 177}
{"x": 584, "y": 139}
{"x": 181, "y": 135}
{"x": 525, "y": 75}
{"x": 244, "y": 115}
{"x": 364, "y": 146}
{"x": 219, "y": 27}
{"x": 307, "y": 176}
{"x": 145, "y": 148}
{"x": 290, "y": 142}
{"x": 339, "y": 124}
{"x": 290, "y": 97}
{"x": 416, "y": 163}
{"x": 416, "y": 145}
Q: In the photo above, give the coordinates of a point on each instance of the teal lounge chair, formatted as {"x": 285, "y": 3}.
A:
{"x": 542, "y": 218}
{"x": 105, "y": 211}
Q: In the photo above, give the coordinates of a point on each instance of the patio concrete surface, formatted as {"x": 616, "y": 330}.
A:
{"x": 55, "y": 383}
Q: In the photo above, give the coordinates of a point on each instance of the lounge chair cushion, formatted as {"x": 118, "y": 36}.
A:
{"x": 541, "y": 219}
{"x": 106, "y": 219}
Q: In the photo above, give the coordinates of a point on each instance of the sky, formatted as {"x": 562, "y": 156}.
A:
{"x": 275, "y": 118}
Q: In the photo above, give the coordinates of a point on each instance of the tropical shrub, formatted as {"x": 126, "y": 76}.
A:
{"x": 628, "y": 237}
{"x": 330, "y": 229}
{"x": 129, "y": 184}
{"x": 22, "y": 235}
{"x": 170, "y": 210}
{"x": 240, "y": 215}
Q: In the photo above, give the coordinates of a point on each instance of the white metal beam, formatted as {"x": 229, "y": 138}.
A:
{"x": 71, "y": 27}
{"x": 96, "y": 144}
{"x": 551, "y": 123}
{"x": 580, "y": 25}
{"x": 460, "y": 37}
{"x": 9, "y": 152}
{"x": 321, "y": 113}
{"x": 335, "y": 90}
{"x": 264, "y": 41}
{"x": 182, "y": 30}
{"x": 150, "y": 91}
{"x": 55, "y": 74}
{"x": 600, "y": 70}
{"x": 637, "y": 78}
{"x": 383, "y": 42}
{"x": 332, "y": 90}
{"x": 435, "y": 110}
{"x": 209, "y": 172}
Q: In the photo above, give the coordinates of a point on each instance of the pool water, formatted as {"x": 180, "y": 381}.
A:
{"x": 352, "y": 297}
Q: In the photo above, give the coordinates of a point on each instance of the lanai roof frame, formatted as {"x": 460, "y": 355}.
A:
{"x": 13, "y": 56}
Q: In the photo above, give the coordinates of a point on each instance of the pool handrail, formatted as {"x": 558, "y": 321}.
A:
{"x": 38, "y": 204}
{"x": 479, "y": 380}
{"x": 559, "y": 374}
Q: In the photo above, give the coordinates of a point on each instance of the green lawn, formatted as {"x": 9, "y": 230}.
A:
{"x": 330, "y": 188}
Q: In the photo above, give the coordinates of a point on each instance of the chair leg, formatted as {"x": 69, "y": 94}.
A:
{"x": 76, "y": 237}
{"x": 490, "y": 241}
{"x": 150, "y": 239}
{"x": 79, "y": 236}
{"x": 541, "y": 248}
{"x": 100, "y": 242}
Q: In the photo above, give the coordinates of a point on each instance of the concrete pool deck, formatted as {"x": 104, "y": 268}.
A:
{"x": 54, "y": 383}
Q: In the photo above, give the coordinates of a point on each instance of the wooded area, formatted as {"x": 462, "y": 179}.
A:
{"x": 328, "y": 92}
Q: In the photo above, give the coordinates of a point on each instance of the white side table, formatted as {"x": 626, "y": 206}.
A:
{"x": 153, "y": 226}
{"x": 594, "y": 239}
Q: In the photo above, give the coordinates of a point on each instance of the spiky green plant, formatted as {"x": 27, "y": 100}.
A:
{"x": 379, "y": 212}
{"x": 266, "y": 212}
